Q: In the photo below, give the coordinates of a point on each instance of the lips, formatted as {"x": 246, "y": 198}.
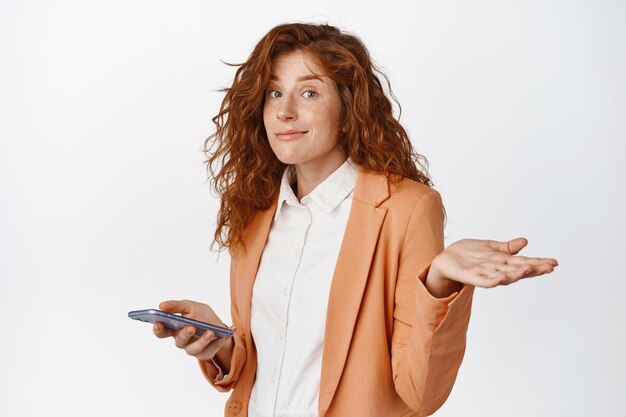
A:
{"x": 290, "y": 134}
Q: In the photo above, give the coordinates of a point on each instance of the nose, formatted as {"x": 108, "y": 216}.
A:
{"x": 287, "y": 109}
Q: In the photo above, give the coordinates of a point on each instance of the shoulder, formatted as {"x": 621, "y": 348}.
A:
{"x": 404, "y": 201}
{"x": 408, "y": 194}
{"x": 410, "y": 207}
{"x": 375, "y": 189}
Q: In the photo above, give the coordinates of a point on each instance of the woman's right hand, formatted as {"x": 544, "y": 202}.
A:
{"x": 204, "y": 347}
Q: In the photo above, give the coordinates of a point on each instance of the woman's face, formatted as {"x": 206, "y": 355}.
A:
{"x": 298, "y": 101}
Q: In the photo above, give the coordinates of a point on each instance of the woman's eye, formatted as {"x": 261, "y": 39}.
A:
{"x": 277, "y": 94}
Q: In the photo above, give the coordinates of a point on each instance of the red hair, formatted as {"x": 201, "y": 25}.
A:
{"x": 249, "y": 174}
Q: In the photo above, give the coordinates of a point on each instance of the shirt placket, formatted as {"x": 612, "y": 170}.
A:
{"x": 283, "y": 296}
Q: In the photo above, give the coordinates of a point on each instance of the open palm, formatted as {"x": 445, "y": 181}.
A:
{"x": 489, "y": 263}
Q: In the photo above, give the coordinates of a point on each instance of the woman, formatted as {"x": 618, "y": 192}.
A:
{"x": 343, "y": 299}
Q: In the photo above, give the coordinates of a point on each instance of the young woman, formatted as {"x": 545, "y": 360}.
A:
{"x": 343, "y": 299}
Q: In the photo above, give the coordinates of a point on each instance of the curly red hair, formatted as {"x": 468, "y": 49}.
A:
{"x": 248, "y": 173}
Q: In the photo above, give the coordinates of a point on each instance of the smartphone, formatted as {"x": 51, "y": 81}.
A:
{"x": 175, "y": 322}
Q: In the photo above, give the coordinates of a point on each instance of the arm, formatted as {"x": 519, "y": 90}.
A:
{"x": 428, "y": 341}
{"x": 233, "y": 354}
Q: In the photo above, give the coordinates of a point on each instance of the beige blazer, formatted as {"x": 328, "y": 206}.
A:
{"x": 390, "y": 347}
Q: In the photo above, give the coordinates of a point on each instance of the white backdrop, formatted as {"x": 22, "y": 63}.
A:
{"x": 104, "y": 106}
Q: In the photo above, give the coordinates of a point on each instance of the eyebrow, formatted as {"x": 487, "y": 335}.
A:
{"x": 303, "y": 78}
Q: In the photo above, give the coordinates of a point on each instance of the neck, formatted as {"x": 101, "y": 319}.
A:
{"x": 309, "y": 176}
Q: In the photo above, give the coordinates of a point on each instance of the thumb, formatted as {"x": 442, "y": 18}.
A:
{"x": 511, "y": 247}
{"x": 174, "y": 306}
{"x": 516, "y": 245}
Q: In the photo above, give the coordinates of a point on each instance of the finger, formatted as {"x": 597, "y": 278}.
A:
{"x": 514, "y": 276}
{"x": 504, "y": 268}
{"x": 182, "y": 337}
{"x": 514, "y": 273}
{"x": 500, "y": 265}
{"x": 161, "y": 331}
{"x": 206, "y": 346}
{"x": 176, "y": 306}
{"x": 487, "y": 269}
{"x": 212, "y": 348}
{"x": 523, "y": 260}
{"x": 196, "y": 347}
{"x": 537, "y": 270}
{"x": 511, "y": 247}
{"x": 532, "y": 271}
{"x": 495, "y": 278}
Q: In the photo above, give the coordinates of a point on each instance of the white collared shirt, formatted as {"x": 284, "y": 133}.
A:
{"x": 290, "y": 294}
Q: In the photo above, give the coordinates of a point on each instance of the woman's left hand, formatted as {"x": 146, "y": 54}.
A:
{"x": 484, "y": 263}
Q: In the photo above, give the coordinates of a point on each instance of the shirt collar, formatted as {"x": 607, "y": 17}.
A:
{"x": 327, "y": 195}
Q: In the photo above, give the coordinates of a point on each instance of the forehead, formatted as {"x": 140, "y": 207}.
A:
{"x": 296, "y": 65}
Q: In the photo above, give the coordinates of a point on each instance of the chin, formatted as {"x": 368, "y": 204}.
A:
{"x": 289, "y": 158}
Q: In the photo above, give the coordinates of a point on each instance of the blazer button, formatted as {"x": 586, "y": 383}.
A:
{"x": 235, "y": 407}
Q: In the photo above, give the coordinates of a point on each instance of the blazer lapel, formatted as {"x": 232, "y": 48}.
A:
{"x": 255, "y": 236}
{"x": 350, "y": 277}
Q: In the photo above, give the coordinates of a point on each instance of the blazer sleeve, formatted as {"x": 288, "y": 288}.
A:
{"x": 210, "y": 369}
{"x": 429, "y": 334}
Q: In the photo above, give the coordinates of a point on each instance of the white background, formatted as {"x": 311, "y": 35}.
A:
{"x": 104, "y": 208}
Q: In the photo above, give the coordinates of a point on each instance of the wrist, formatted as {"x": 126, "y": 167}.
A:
{"x": 438, "y": 285}
{"x": 224, "y": 355}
